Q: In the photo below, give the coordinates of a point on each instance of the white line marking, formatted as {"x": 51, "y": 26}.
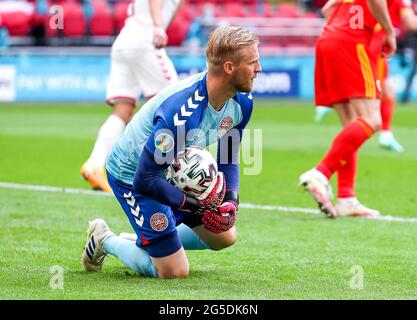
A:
{"x": 31, "y": 187}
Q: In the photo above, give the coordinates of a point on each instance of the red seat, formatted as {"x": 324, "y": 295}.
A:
{"x": 204, "y": 8}
{"x": 17, "y": 17}
{"x": 17, "y": 23}
{"x": 250, "y": 2}
{"x": 230, "y": 9}
{"x": 223, "y": 2}
{"x": 178, "y": 29}
{"x": 201, "y": 1}
{"x": 120, "y": 15}
{"x": 287, "y": 10}
{"x": 101, "y": 23}
{"x": 262, "y": 10}
{"x": 74, "y": 24}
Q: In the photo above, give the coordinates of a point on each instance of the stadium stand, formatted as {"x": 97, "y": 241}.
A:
{"x": 17, "y": 17}
{"x": 179, "y": 27}
{"x": 97, "y": 22}
{"x": 101, "y": 23}
{"x": 119, "y": 15}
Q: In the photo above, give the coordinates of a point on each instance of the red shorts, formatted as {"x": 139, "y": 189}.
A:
{"x": 383, "y": 69}
{"x": 343, "y": 71}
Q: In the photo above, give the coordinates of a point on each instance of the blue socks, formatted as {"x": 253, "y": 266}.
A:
{"x": 190, "y": 240}
{"x": 131, "y": 255}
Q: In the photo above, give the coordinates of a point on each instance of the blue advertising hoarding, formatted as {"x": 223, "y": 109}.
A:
{"x": 84, "y": 77}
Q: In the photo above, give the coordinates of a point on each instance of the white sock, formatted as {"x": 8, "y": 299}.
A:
{"x": 347, "y": 201}
{"x": 319, "y": 174}
{"x": 131, "y": 255}
{"x": 386, "y": 133}
{"x": 107, "y": 136}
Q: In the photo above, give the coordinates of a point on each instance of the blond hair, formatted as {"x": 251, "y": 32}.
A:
{"x": 225, "y": 42}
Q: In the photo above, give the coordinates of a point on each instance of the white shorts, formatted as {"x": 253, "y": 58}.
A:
{"x": 138, "y": 72}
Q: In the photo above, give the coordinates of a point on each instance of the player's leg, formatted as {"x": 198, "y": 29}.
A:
{"x": 386, "y": 137}
{"x": 158, "y": 251}
{"x": 122, "y": 92}
{"x": 101, "y": 242}
{"x": 189, "y": 239}
{"x": 346, "y": 175}
{"x": 313, "y": 181}
{"x": 217, "y": 241}
{"x": 352, "y": 135}
{"x": 194, "y": 236}
{"x": 354, "y": 78}
{"x": 347, "y": 203}
{"x": 154, "y": 71}
{"x": 173, "y": 266}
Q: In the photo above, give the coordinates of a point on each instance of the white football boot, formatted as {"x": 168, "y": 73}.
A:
{"x": 93, "y": 254}
{"x": 129, "y": 236}
{"x": 319, "y": 187}
{"x": 320, "y": 113}
{"x": 388, "y": 141}
{"x": 353, "y": 208}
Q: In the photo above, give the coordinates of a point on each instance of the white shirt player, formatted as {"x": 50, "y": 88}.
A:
{"x": 138, "y": 29}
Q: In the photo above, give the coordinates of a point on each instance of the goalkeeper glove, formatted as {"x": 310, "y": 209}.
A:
{"x": 221, "y": 220}
{"x": 224, "y": 218}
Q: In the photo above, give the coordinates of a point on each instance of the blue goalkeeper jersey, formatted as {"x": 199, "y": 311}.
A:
{"x": 178, "y": 116}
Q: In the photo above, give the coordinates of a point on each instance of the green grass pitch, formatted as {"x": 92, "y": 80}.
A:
{"x": 279, "y": 255}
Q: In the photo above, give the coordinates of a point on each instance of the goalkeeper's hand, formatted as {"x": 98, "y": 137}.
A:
{"x": 222, "y": 219}
{"x": 209, "y": 203}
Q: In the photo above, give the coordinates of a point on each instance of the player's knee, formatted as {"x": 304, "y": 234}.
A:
{"x": 176, "y": 272}
{"x": 375, "y": 122}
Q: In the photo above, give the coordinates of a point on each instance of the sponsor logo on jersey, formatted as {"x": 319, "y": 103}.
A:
{"x": 159, "y": 222}
{"x": 226, "y": 124}
{"x": 164, "y": 142}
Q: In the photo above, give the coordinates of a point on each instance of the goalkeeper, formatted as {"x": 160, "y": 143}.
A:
{"x": 209, "y": 107}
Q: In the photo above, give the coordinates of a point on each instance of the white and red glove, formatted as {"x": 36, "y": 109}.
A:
{"x": 209, "y": 203}
{"x": 224, "y": 218}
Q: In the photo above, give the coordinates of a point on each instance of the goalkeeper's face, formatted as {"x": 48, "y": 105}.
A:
{"x": 246, "y": 69}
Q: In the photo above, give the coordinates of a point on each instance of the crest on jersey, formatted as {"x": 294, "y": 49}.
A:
{"x": 164, "y": 142}
{"x": 159, "y": 222}
{"x": 226, "y": 124}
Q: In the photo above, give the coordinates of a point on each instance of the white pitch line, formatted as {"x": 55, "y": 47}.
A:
{"x": 31, "y": 187}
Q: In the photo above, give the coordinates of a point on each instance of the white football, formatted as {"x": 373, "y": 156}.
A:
{"x": 194, "y": 171}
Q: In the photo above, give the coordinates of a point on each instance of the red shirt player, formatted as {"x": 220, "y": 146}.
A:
{"x": 401, "y": 13}
{"x": 345, "y": 79}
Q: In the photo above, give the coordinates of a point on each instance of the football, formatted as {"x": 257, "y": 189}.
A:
{"x": 194, "y": 171}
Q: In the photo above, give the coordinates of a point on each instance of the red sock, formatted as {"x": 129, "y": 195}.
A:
{"x": 387, "y": 111}
{"x": 344, "y": 145}
{"x": 346, "y": 177}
